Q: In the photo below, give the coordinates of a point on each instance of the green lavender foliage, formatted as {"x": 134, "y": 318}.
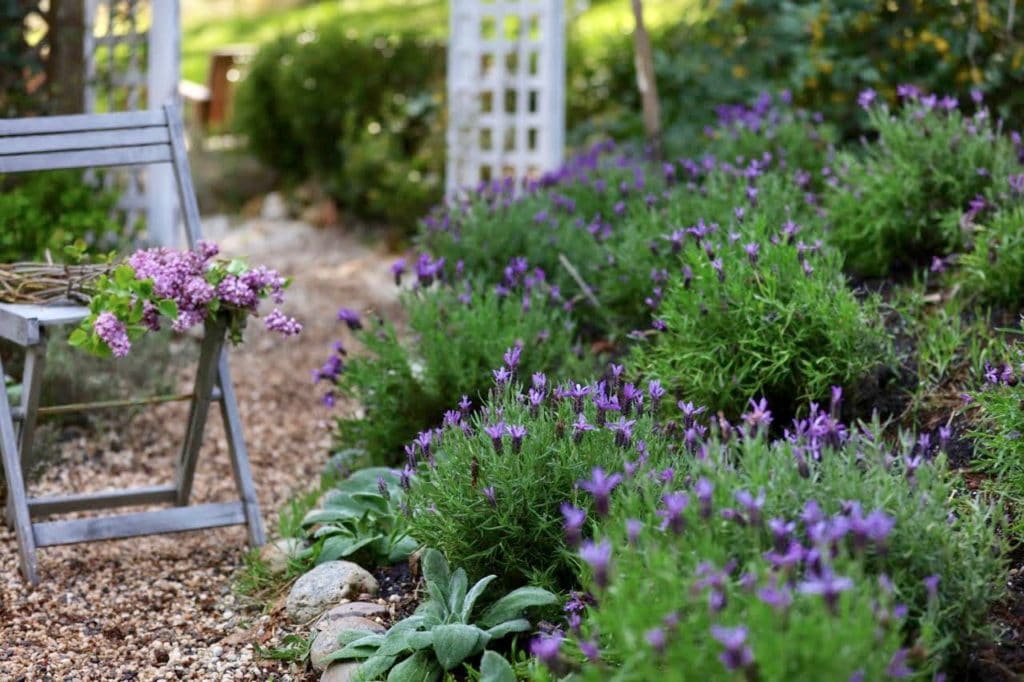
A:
{"x": 762, "y": 329}
{"x": 405, "y": 386}
{"x": 993, "y": 270}
{"x": 961, "y": 547}
{"x": 448, "y": 628}
{"x": 902, "y": 200}
{"x": 519, "y": 536}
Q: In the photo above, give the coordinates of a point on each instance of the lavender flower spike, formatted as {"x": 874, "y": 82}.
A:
{"x": 599, "y": 557}
{"x": 600, "y": 485}
{"x": 737, "y": 655}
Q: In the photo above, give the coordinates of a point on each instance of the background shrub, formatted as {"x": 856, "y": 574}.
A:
{"x": 904, "y": 200}
{"x": 362, "y": 116}
{"x": 44, "y": 212}
{"x": 993, "y": 269}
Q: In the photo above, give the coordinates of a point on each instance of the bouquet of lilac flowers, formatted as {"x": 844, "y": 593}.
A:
{"x": 185, "y": 287}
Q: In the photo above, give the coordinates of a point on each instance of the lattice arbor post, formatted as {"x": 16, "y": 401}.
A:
{"x": 132, "y": 57}
{"x": 506, "y": 90}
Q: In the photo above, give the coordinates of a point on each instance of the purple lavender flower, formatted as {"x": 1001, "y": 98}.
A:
{"x": 656, "y": 392}
{"x": 897, "y": 667}
{"x": 672, "y": 512}
{"x": 656, "y": 638}
{"x": 495, "y": 432}
{"x": 512, "y": 356}
{"x": 737, "y": 655}
{"x": 546, "y": 648}
{"x": 866, "y": 98}
{"x": 751, "y": 505}
{"x": 759, "y": 414}
{"x": 623, "y": 430}
{"x": 501, "y": 375}
{"x": 779, "y": 598}
{"x": 580, "y": 426}
{"x": 931, "y": 585}
{"x": 633, "y": 529}
{"x": 516, "y": 432}
{"x": 600, "y": 485}
{"x": 491, "y": 495}
{"x": 828, "y": 585}
{"x": 574, "y": 520}
{"x": 704, "y": 489}
{"x": 598, "y": 556}
{"x": 350, "y": 318}
{"x": 397, "y": 270}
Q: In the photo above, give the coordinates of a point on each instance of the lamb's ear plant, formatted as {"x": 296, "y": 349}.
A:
{"x": 446, "y": 631}
{"x": 360, "y": 517}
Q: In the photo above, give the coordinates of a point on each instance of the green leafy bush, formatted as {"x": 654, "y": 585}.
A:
{"x": 360, "y": 518}
{"x": 807, "y": 547}
{"x": 43, "y": 212}
{"x": 446, "y": 630}
{"x": 998, "y": 425}
{"x": 760, "y": 313}
{"x": 904, "y": 201}
{"x": 360, "y": 116}
{"x": 457, "y": 335}
{"x": 993, "y": 269}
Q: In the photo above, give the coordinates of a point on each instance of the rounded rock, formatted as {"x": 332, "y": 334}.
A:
{"x": 363, "y": 609}
{"x": 326, "y": 641}
{"x": 327, "y": 585}
{"x": 276, "y": 554}
{"x": 340, "y": 672}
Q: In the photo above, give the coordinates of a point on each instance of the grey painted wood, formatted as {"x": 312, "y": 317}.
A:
{"x": 31, "y": 388}
{"x": 136, "y": 138}
{"x": 91, "y": 158}
{"x": 106, "y": 499}
{"x": 239, "y": 454}
{"x": 187, "y": 193}
{"x": 62, "y": 124}
{"x": 93, "y": 139}
{"x": 206, "y": 376}
{"x": 176, "y": 520}
{"x": 17, "y": 507}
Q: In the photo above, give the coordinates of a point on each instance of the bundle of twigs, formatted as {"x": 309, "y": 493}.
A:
{"x": 48, "y": 283}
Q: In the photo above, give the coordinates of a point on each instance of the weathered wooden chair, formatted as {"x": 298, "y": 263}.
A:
{"x": 93, "y": 141}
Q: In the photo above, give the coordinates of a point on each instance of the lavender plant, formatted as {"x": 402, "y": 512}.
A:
{"x": 186, "y": 287}
{"x": 826, "y": 554}
{"x": 759, "y": 312}
{"x": 910, "y": 196}
{"x": 993, "y": 268}
{"x": 458, "y": 332}
{"x": 998, "y": 425}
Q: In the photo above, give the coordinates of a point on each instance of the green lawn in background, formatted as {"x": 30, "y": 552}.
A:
{"x": 209, "y": 25}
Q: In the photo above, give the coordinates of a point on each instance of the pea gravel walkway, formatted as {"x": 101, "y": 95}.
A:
{"x": 162, "y": 608}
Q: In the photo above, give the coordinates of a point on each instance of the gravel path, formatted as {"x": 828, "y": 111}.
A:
{"x": 162, "y": 608}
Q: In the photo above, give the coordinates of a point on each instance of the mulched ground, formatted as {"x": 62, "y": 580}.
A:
{"x": 162, "y": 608}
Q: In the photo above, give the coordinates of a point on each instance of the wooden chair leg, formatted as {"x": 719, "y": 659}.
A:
{"x": 17, "y": 501}
{"x": 239, "y": 454}
{"x": 206, "y": 377}
{"x": 31, "y": 388}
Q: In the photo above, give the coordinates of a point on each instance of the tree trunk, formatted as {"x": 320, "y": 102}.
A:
{"x": 647, "y": 83}
{"x": 65, "y": 67}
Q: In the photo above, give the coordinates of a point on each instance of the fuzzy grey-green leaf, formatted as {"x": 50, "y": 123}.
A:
{"x": 494, "y": 668}
{"x": 454, "y": 643}
{"x": 513, "y": 604}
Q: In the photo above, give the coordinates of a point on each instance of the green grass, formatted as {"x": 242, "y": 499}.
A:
{"x": 212, "y": 25}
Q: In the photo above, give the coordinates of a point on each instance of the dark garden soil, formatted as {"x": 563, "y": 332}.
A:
{"x": 163, "y": 608}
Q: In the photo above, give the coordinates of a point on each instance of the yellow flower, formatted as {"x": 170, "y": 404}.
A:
{"x": 739, "y": 71}
{"x": 825, "y": 67}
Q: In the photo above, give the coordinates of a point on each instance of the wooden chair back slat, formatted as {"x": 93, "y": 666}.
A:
{"x": 89, "y": 158}
{"x": 41, "y": 125}
{"x": 95, "y": 139}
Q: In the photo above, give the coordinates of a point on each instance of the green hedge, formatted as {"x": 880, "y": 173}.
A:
{"x": 363, "y": 117}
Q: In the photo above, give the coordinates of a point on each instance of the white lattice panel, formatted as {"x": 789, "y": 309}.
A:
{"x": 506, "y": 90}
{"x": 132, "y": 59}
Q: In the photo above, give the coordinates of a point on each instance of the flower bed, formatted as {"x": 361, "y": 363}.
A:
{"x": 714, "y": 403}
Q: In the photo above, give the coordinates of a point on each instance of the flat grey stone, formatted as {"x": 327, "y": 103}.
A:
{"x": 340, "y": 672}
{"x": 325, "y": 586}
{"x": 364, "y": 609}
{"x": 326, "y": 641}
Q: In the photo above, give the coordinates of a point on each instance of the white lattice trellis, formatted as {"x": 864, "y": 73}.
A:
{"x": 132, "y": 59}
{"x": 506, "y": 90}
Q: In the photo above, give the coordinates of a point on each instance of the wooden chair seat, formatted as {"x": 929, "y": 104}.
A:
{"x": 22, "y": 322}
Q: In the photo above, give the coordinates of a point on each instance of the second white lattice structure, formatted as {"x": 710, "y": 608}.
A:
{"x": 506, "y": 90}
